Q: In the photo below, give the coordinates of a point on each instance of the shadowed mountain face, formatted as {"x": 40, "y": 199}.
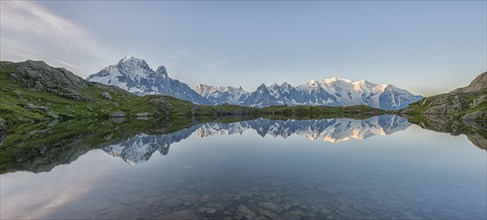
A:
{"x": 140, "y": 148}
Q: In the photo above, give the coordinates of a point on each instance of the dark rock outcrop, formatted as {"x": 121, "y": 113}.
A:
{"x": 40, "y": 76}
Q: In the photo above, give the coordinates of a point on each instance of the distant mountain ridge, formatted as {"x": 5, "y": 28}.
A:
{"x": 134, "y": 75}
{"x": 331, "y": 92}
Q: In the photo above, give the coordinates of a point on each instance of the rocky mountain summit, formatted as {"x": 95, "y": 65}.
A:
{"x": 42, "y": 77}
{"x": 135, "y": 75}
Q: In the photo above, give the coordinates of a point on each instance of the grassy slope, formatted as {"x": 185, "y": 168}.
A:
{"x": 416, "y": 111}
{"x": 469, "y": 101}
{"x": 15, "y": 97}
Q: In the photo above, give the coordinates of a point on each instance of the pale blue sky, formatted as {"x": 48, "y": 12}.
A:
{"x": 425, "y": 47}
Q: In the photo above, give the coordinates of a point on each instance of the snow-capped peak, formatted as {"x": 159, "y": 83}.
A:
{"x": 222, "y": 94}
{"x": 134, "y": 75}
{"x": 336, "y": 79}
{"x": 312, "y": 82}
{"x": 128, "y": 58}
{"x": 133, "y": 61}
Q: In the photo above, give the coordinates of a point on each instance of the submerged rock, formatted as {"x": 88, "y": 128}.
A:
{"x": 270, "y": 206}
{"x": 183, "y": 214}
{"x": 268, "y": 214}
{"x": 243, "y": 209}
{"x": 172, "y": 203}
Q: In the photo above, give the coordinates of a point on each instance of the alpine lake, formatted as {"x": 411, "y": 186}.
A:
{"x": 382, "y": 167}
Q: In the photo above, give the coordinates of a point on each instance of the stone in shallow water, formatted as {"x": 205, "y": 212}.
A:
{"x": 183, "y": 214}
{"x": 287, "y": 206}
{"x": 188, "y": 197}
{"x": 247, "y": 194}
{"x": 243, "y": 209}
{"x": 210, "y": 211}
{"x": 205, "y": 198}
{"x": 294, "y": 214}
{"x": 270, "y": 206}
{"x": 268, "y": 214}
{"x": 202, "y": 209}
{"x": 121, "y": 212}
{"x": 172, "y": 203}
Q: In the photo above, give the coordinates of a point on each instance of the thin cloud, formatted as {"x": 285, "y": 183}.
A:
{"x": 67, "y": 64}
{"x": 20, "y": 56}
{"x": 184, "y": 53}
{"x": 28, "y": 18}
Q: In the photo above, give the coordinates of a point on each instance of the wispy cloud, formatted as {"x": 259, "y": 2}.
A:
{"x": 28, "y": 18}
{"x": 179, "y": 54}
{"x": 67, "y": 64}
{"x": 184, "y": 53}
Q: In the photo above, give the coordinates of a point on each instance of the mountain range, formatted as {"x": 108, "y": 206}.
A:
{"x": 135, "y": 75}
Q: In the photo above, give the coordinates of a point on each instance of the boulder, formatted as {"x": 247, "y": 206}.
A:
{"x": 106, "y": 95}
{"x": 144, "y": 114}
{"x": 118, "y": 114}
{"x": 44, "y": 109}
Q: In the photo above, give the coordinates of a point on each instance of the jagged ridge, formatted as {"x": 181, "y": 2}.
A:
{"x": 330, "y": 92}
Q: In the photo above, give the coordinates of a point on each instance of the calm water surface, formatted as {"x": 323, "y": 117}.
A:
{"x": 383, "y": 167}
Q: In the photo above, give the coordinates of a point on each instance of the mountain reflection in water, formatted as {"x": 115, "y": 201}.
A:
{"x": 140, "y": 147}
